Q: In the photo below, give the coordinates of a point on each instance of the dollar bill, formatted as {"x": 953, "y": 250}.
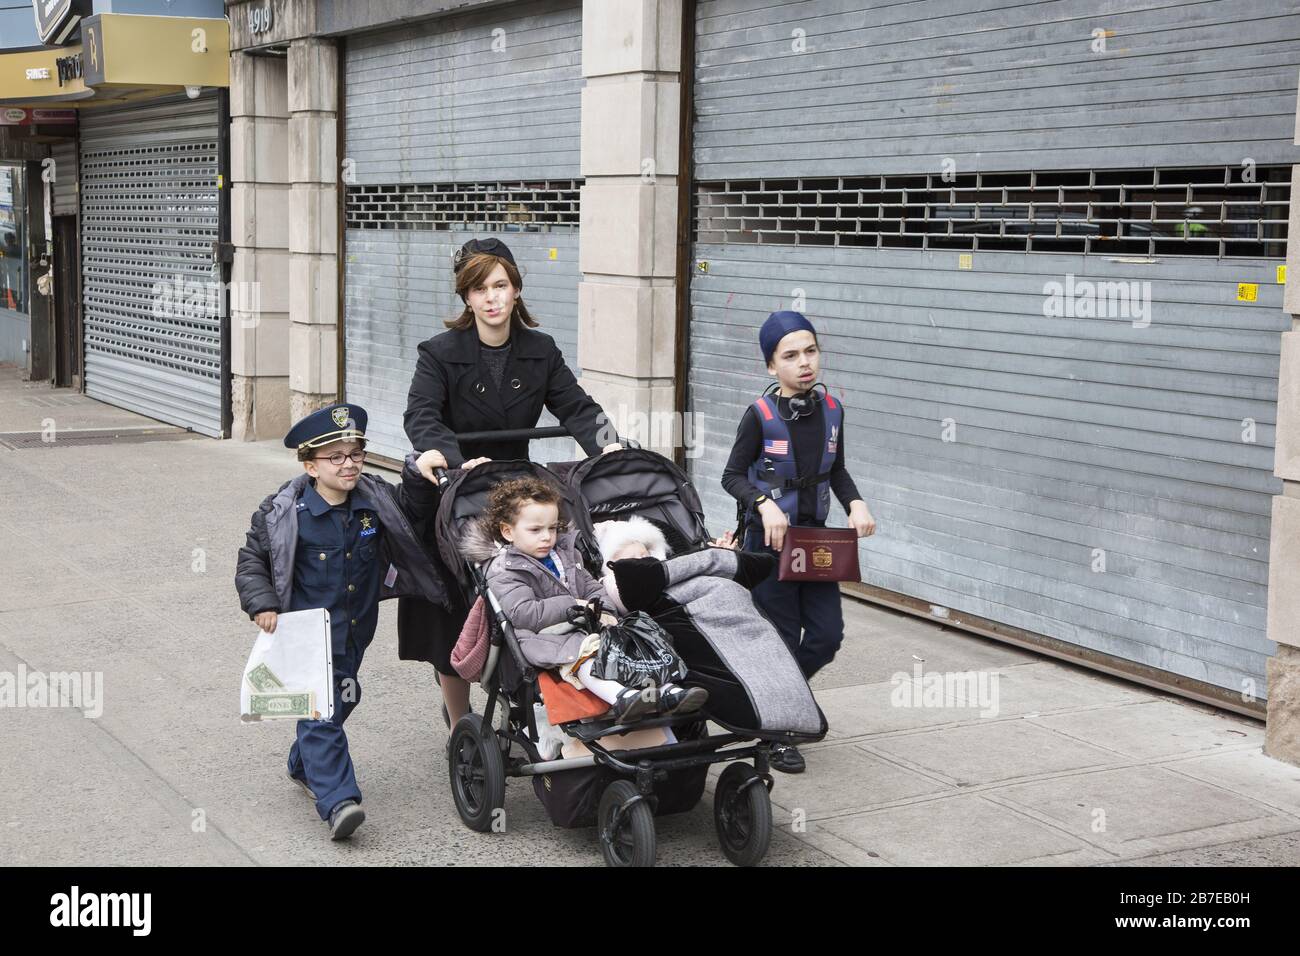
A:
{"x": 261, "y": 678}
{"x": 276, "y": 705}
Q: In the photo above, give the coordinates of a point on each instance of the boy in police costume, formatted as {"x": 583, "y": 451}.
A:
{"x": 787, "y": 459}
{"x": 338, "y": 539}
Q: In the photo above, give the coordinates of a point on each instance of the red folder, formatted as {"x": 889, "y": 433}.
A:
{"x": 820, "y": 554}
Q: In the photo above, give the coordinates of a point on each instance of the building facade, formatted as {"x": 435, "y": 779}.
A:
{"x": 1046, "y": 251}
{"x": 1052, "y": 309}
{"x": 120, "y": 136}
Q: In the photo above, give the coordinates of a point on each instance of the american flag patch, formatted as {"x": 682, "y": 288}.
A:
{"x": 777, "y": 446}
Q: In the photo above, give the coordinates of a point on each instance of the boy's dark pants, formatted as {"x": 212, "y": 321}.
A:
{"x": 320, "y": 754}
{"x": 807, "y": 614}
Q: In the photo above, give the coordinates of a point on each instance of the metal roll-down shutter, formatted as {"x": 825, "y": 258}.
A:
{"x": 149, "y": 217}
{"x": 63, "y": 191}
{"x": 457, "y": 128}
{"x": 926, "y": 181}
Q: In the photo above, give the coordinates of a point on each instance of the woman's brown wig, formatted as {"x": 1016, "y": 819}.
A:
{"x": 475, "y": 273}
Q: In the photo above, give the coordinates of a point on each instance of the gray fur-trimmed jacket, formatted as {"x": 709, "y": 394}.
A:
{"x": 533, "y": 598}
{"x": 264, "y": 570}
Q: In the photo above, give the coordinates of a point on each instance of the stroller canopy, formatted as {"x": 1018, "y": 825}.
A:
{"x": 634, "y": 481}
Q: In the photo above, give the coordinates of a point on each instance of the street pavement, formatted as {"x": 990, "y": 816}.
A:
{"x": 119, "y": 559}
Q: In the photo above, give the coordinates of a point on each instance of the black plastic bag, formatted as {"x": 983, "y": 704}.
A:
{"x": 637, "y": 652}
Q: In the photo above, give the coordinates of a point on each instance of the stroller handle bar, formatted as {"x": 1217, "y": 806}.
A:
{"x": 518, "y": 434}
{"x": 505, "y": 434}
{"x": 515, "y": 434}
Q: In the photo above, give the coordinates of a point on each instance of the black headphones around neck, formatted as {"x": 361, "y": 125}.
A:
{"x": 802, "y": 404}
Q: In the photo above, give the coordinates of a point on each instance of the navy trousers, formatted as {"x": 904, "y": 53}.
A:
{"x": 807, "y": 614}
{"x": 320, "y": 754}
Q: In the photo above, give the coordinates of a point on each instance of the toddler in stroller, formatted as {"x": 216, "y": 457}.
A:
{"x": 541, "y": 585}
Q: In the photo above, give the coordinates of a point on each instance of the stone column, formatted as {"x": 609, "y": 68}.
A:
{"x": 631, "y": 60}
{"x": 313, "y": 224}
{"x": 259, "y": 207}
{"x": 1282, "y": 733}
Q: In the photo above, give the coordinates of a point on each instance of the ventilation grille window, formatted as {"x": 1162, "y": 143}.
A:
{"x": 545, "y": 206}
{"x": 1210, "y": 211}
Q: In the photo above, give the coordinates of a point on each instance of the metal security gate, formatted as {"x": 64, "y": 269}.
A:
{"x": 149, "y": 217}
{"x": 456, "y": 128}
{"x": 63, "y": 191}
{"x": 1055, "y": 337}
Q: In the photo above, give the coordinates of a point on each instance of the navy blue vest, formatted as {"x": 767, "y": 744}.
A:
{"x": 775, "y": 473}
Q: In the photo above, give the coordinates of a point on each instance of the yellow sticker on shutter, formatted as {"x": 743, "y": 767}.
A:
{"x": 555, "y": 253}
{"x": 1247, "y": 291}
{"x": 966, "y": 261}
{"x": 1281, "y": 275}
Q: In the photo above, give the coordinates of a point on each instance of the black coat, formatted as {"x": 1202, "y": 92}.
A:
{"x": 451, "y": 394}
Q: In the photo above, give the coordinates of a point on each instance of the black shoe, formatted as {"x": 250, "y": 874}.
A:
{"x": 300, "y": 782}
{"x": 787, "y": 759}
{"x": 635, "y": 704}
{"x": 345, "y": 818}
{"x": 681, "y": 700}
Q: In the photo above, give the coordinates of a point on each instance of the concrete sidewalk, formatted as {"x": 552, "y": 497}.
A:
{"x": 120, "y": 557}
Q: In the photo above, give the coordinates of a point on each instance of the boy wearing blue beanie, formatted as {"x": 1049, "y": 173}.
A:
{"x": 787, "y": 460}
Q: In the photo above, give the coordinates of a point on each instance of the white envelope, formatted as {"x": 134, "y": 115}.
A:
{"x": 299, "y": 654}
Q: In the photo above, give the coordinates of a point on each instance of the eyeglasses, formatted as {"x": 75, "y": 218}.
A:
{"x": 338, "y": 458}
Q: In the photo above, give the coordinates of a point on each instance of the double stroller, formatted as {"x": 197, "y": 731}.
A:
{"x": 757, "y": 695}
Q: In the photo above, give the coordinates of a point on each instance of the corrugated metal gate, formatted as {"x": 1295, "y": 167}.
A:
{"x": 63, "y": 192}
{"x": 1080, "y": 443}
{"x": 149, "y": 216}
{"x": 455, "y": 128}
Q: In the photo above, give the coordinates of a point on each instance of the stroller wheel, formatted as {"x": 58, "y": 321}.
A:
{"x": 626, "y": 830}
{"x": 478, "y": 777}
{"x": 742, "y": 813}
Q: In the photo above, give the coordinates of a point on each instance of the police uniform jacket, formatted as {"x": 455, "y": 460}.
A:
{"x": 264, "y": 571}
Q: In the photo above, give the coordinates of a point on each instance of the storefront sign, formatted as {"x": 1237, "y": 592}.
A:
{"x": 56, "y": 19}
{"x": 135, "y": 51}
{"x": 69, "y": 67}
{"x": 120, "y": 51}
{"x": 15, "y": 116}
{"x": 92, "y": 56}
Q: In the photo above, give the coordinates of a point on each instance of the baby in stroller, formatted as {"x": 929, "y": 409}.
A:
{"x": 544, "y": 589}
{"x": 635, "y": 537}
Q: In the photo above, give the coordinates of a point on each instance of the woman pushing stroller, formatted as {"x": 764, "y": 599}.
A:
{"x": 542, "y": 587}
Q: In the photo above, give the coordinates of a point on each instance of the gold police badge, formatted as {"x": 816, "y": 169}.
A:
{"x": 341, "y": 415}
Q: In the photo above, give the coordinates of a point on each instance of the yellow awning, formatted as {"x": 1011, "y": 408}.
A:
{"x": 120, "y": 56}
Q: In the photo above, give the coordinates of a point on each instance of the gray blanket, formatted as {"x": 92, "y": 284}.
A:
{"x": 704, "y": 588}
